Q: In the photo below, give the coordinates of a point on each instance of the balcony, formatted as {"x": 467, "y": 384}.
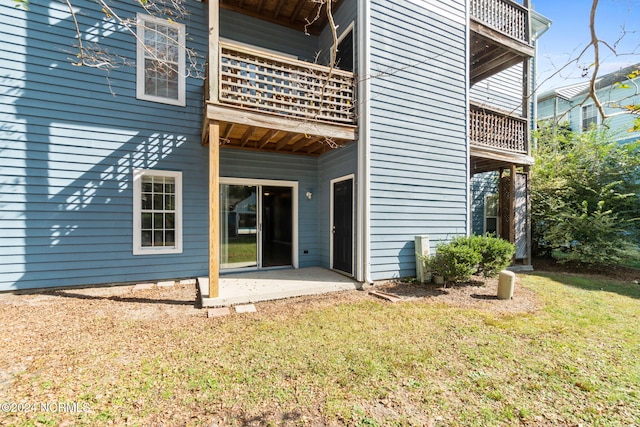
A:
{"x": 287, "y": 87}
{"x": 274, "y": 103}
{"x": 259, "y": 99}
{"x": 497, "y": 138}
{"x": 500, "y": 36}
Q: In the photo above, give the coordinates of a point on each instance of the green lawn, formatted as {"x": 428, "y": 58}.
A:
{"x": 574, "y": 362}
{"x": 634, "y": 258}
{"x": 242, "y": 248}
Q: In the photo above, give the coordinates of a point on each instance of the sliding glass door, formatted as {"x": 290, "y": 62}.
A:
{"x": 238, "y": 226}
{"x": 256, "y": 225}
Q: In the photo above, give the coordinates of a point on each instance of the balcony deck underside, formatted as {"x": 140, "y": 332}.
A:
{"x": 492, "y": 52}
{"x": 242, "y": 128}
{"x": 296, "y": 14}
{"x": 487, "y": 159}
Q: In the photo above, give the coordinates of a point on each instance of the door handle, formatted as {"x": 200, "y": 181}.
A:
{"x": 333, "y": 229}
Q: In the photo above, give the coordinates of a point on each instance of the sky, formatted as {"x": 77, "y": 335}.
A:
{"x": 569, "y": 34}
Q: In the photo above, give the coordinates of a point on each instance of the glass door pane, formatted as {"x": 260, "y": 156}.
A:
{"x": 277, "y": 226}
{"x": 238, "y": 226}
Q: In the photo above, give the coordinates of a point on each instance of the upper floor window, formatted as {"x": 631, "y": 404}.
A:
{"x": 344, "y": 56}
{"x": 589, "y": 116}
{"x": 157, "y": 212}
{"x": 160, "y": 60}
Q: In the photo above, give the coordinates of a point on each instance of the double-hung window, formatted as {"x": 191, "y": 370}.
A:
{"x": 589, "y": 116}
{"x": 491, "y": 219}
{"x": 160, "y": 60}
{"x": 157, "y": 212}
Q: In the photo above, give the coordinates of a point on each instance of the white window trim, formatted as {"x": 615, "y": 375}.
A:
{"x": 140, "y": 71}
{"x": 138, "y": 249}
{"x": 275, "y": 183}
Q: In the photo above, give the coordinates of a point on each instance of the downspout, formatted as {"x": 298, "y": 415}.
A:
{"x": 534, "y": 112}
{"x": 467, "y": 55}
{"x": 364, "y": 154}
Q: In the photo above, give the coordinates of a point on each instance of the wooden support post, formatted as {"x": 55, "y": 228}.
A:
{"x": 214, "y": 208}
{"x": 527, "y": 170}
{"x": 502, "y": 221}
{"x": 512, "y": 204}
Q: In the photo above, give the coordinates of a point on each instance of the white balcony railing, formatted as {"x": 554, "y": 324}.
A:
{"x": 506, "y": 16}
{"x": 276, "y": 84}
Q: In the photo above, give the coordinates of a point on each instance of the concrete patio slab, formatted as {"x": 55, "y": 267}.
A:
{"x": 245, "y": 288}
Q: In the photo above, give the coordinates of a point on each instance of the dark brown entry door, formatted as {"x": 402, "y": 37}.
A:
{"x": 343, "y": 226}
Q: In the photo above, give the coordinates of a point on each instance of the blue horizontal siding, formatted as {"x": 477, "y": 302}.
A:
{"x": 266, "y": 35}
{"x": 503, "y": 90}
{"x": 71, "y": 139}
{"x": 481, "y": 185}
{"x": 418, "y": 129}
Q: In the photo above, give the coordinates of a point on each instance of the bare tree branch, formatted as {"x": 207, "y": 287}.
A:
{"x": 595, "y": 44}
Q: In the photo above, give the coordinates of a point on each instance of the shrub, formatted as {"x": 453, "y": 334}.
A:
{"x": 585, "y": 197}
{"x": 495, "y": 253}
{"x": 455, "y": 262}
{"x": 595, "y": 238}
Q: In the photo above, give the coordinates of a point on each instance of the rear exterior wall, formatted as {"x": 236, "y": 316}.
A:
{"x": 419, "y": 154}
{"x": 70, "y": 140}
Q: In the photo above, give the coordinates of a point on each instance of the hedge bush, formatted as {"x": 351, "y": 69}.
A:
{"x": 455, "y": 262}
{"x": 495, "y": 253}
{"x": 464, "y": 256}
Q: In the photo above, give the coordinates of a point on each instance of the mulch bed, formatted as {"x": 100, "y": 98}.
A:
{"x": 179, "y": 301}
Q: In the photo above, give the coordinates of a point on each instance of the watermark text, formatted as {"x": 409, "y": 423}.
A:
{"x": 48, "y": 407}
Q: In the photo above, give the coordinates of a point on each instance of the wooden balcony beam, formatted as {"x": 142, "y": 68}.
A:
{"x": 296, "y": 12}
{"x": 247, "y": 135}
{"x": 278, "y": 8}
{"x": 227, "y": 131}
{"x": 499, "y": 155}
{"x": 289, "y": 139}
{"x": 522, "y": 49}
{"x": 491, "y": 67}
{"x": 267, "y": 138}
{"x": 248, "y": 117}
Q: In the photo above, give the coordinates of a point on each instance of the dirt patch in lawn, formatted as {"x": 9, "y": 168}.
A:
{"x": 121, "y": 302}
{"x": 65, "y": 335}
{"x": 61, "y": 341}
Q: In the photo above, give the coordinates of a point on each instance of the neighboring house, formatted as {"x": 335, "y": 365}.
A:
{"x": 571, "y": 106}
{"x": 132, "y": 177}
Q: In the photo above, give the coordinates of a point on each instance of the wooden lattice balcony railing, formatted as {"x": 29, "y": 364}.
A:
{"x": 506, "y": 16}
{"x": 490, "y": 128}
{"x": 284, "y": 86}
